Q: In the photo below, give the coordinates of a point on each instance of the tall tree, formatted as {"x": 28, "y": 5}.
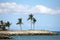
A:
{"x": 2, "y": 25}
{"x": 8, "y": 24}
{"x": 20, "y": 22}
{"x": 34, "y": 20}
{"x": 30, "y": 18}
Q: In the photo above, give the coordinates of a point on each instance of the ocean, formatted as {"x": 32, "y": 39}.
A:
{"x": 37, "y": 37}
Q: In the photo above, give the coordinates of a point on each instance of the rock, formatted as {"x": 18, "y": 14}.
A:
{"x": 5, "y": 37}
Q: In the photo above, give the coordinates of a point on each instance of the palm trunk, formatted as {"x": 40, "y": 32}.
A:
{"x": 8, "y": 28}
{"x": 33, "y": 26}
{"x": 20, "y": 27}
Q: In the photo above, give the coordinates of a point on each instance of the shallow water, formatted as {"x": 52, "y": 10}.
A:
{"x": 35, "y": 37}
{"x": 40, "y": 37}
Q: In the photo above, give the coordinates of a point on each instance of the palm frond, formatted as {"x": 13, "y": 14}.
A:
{"x": 19, "y": 21}
{"x": 34, "y": 20}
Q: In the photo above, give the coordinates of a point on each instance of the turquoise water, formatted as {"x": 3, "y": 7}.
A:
{"x": 35, "y": 37}
{"x": 40, "y": 37}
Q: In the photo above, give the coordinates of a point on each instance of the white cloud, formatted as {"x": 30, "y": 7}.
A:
{"x": 44, "y": 9}
{"x": 20, "y": 8}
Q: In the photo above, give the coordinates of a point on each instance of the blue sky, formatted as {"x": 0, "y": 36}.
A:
{"x": 47, "y": 13}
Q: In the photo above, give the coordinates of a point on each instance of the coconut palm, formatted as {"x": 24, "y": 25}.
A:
{"x": 1, "y": 22}
{"x": 20, "y": 22}
{"x": 30, "y": 18}
{"x": 2, "y": 25}
{"x": 8, "y": 24}
{"x": 34, "y": 20}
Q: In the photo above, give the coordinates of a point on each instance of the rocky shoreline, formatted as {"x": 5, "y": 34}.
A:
{"x": 7, "y": 34}
{"x": 4, "y": 36}
{"x": 21, "y": 32}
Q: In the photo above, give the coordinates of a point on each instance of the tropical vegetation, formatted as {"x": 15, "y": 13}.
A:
{"x": 3, "y": 25}
{"x": 7, "y": 24}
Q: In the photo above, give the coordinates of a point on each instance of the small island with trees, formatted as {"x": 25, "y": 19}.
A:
{"x": 6, "y": 33}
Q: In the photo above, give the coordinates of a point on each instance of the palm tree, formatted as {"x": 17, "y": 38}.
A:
{"x": 20, "y": 22}
{"x": 8, "y": 24}
{"x": 34, "y": 20}
{"x": 2, "y": 25}
{"x": 1, "y": 22}
{"x": 30, "y": 18}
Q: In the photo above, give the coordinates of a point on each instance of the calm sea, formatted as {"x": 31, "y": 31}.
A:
{"x": 35, "y": 37}
{"x": 41, "y": 37}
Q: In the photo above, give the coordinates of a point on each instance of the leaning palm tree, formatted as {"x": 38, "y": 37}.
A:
{"x": 34, "y": 20}
{"x": 8, "y": 24}
{"x": 20, "y": 22}
{"x": 30, "y": 18}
